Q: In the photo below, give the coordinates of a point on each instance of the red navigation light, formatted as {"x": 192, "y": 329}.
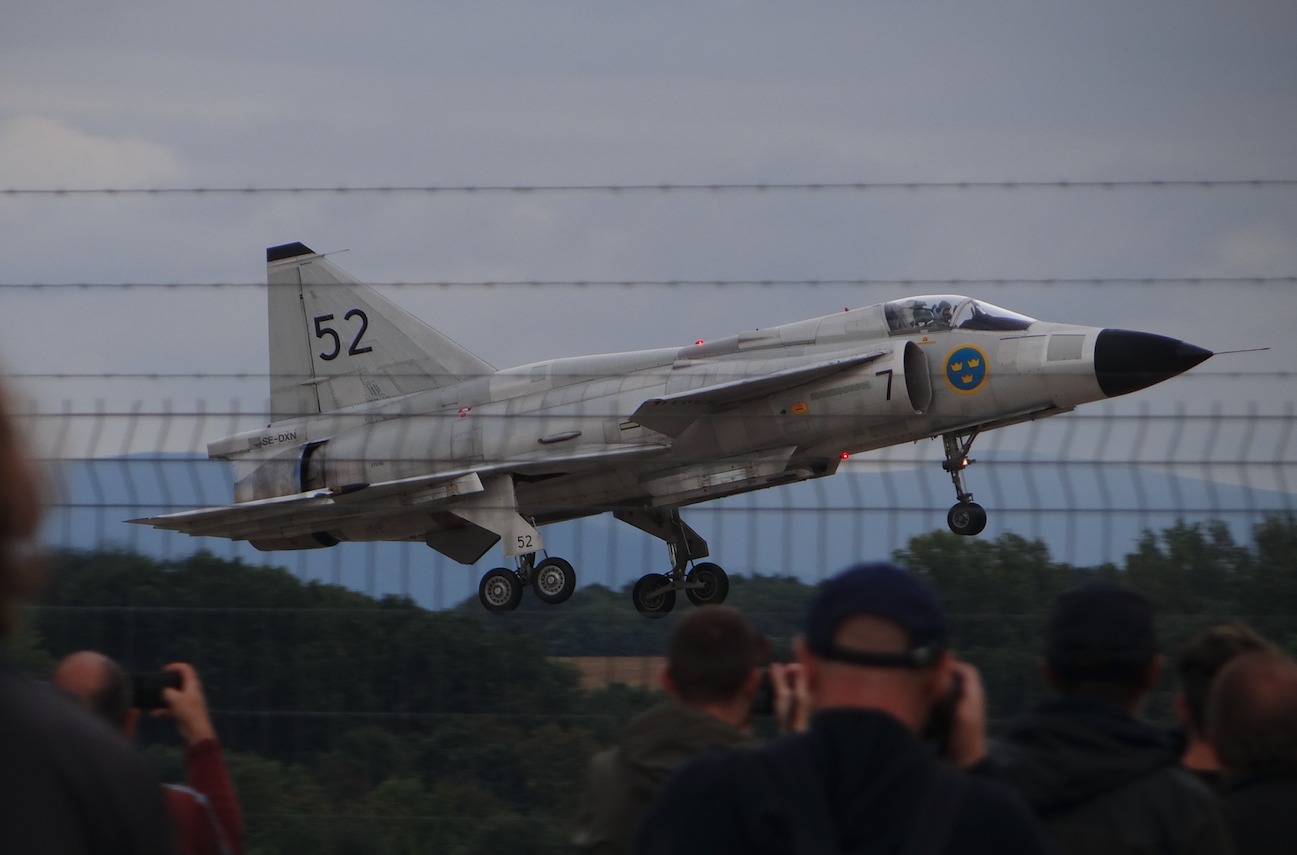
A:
{"x": 698, "y": 343}
{"x": 845, "y": 455}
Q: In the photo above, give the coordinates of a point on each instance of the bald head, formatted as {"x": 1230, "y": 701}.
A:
{"x": 1252, "y": 711}
{"x": 99, "y": 683}
{"x": 905, "y": 693}
{"x": 870, "y": 634}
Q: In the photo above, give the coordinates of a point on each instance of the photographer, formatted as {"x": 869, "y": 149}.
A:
{"x": 860, "y": 778}
{"x": 68, "y": 784}
{"x": 711, "y": 677}
{"x": 205, "y": 814}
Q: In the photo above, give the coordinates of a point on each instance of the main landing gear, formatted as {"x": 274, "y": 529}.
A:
{"x": 705, "y": 584}
{"x": 966, "y": 517}
{"x": 654, "y": 596}
{"x": 553, "y": 580}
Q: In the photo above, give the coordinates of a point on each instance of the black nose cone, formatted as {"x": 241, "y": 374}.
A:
{"x": 1125, "y": 361}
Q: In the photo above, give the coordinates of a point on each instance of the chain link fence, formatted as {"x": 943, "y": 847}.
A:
{"x": 370, "y": 705}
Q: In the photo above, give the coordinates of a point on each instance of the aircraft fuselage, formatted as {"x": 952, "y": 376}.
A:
{"x": 383, "y": 428}
{"x": 921, "y": 386}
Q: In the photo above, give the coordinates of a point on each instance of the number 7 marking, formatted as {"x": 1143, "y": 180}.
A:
{"x": 888, "y": 372}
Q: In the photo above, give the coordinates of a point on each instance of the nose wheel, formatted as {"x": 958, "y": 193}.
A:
{"x": 966, "y": 517}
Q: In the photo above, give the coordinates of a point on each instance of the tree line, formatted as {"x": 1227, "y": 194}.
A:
{"x": 363, "y": 724}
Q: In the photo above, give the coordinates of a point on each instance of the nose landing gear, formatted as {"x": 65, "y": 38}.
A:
{"x": 966, "y": 517}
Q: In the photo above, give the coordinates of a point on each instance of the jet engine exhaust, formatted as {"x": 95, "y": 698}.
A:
{"x": 1127, "y": 361}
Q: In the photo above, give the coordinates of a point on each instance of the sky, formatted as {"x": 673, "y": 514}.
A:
{"x": 328, "y": 94}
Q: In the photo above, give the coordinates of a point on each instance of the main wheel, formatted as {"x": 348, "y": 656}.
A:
{"x": 500, "y": 591}
{"x": 713, "y": 584}
{"x": 553, "y": 580}
{"x": 657, "y": 605}
{"x": 966, "y": 518}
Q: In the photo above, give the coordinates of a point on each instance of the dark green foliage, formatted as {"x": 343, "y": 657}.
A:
{"x": 23, "y": 649}
{"x": 264, "y": 642}
{"x": 594, "y": 619}
{"x": 357, "y": 725}
{"x": 600, "y": 622}
{"x": 612, "y": 706}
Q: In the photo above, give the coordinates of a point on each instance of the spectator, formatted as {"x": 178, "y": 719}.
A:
{"x": 1101, "y": 780}
{"x": 205, "y": 814}
{"x": 711, "y": 676}
{"x": 67, "y": 783}
{"x": 1199, "y": 663}
{"x": 860, "y": 779}
{"x": 1252, "y": 724}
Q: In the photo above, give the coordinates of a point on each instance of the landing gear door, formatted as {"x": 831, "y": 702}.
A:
{"x": 496, "y": 510}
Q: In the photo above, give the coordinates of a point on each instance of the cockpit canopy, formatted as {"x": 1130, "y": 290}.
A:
{"x": 950, "y": 311}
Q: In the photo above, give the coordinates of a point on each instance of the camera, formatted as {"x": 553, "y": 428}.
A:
{"x": 146, "y": 689}
{"x": 763, "y": 703}
{"x": 940, "y": 726}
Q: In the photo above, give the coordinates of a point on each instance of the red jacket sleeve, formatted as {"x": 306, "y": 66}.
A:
{"x": 206, "y": 774}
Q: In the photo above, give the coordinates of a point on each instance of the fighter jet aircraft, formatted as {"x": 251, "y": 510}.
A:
{"x": 382, "y": 428}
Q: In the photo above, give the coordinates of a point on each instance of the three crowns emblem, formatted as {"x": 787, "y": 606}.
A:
{"x": 966, "y": 369}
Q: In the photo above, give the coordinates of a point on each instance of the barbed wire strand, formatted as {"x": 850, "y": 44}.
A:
{"x": 665, "y": 187}
{"x": 262, "y": 375}
{"x": 721, "y": 283}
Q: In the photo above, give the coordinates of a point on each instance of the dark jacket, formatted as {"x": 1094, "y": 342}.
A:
{"x": 68, "y": 783}
{"x": 1260, "y": 807}
{"x": 868, "y": 773}
{"x": 1103, "y": 782}
{"x": 624, "y": 779}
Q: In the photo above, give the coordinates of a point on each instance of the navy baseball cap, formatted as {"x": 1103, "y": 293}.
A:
{"x": 1101, "y": 631}
{"x": 882, "y": 590}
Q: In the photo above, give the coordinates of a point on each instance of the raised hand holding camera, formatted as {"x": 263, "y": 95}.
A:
{"x": 187, "y": 705}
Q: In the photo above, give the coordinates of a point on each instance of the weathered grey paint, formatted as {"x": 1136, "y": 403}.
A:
{"x": 558, "y": 439}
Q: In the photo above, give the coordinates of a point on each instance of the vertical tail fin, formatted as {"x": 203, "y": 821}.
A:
{"x": 335, "y": 342}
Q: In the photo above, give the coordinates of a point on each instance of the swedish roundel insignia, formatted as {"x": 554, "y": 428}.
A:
{"x": 965, "y": 369}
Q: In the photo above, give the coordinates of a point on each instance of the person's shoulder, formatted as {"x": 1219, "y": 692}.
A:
{"x": 1184, "y": 786}
{"x": 994, "y": 818}
{"x": 737, "y": 787}
{"x": 739, "y": 780}
{"x": 41, "y": 715}
{"x": 81, "y": 782}
{"x": 713, "y": 768}
{"x": 606, "y": 775}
